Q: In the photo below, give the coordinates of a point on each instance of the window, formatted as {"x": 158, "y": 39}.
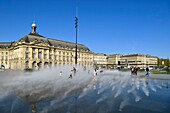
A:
{"x": 34, "y": 55}
{"x": 39, "y": 55}
{"x": 55, "y": 57}
{"x": 45, "y": 56}
{"x": 2, "y": 58}
{"x": 33, "y": 49}
{"x": 6, "y": 53}
{"x": 26, "y": 56}
{"x": 55, "y": 50}
{"x": 67, "y": 59}
{"x": 50, "y": 57}
{"x": 6, "y": 57}
{"x": 50, "y": 51}
{"x": 27, "y": 49}
{"x": 2, "y": 53}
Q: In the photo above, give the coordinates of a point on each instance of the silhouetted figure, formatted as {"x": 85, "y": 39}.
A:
{"x": 95, "y": 72}
{"x": 74, "y": 70}
{"x": 71, "y": 74}
{"x": 132, "y": 70}
{"x": 147, "y": 71}
{"x": 136, "y": 71}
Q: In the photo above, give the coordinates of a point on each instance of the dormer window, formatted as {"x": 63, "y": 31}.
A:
{"x": 36, "y": 39}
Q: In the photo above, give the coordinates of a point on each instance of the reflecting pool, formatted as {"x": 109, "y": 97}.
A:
{"x": 52, "y": 91}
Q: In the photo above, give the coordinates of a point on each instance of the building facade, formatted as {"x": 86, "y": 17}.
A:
{"x": 138, "y": 60}
{"x": 100, "y": 59}
{"x": 114, "y": 60}
{"x": 35, "y": 51}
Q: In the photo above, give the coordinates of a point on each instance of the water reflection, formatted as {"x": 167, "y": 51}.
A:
{"x": 48, "y": 91}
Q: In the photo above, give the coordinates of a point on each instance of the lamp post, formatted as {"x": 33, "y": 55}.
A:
{"x": 76, "y": 26}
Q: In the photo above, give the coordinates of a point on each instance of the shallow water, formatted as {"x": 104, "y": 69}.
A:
{"x": 47, "y": 91}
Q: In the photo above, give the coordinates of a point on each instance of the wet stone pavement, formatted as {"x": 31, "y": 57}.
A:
{"x": 110, "y": 92}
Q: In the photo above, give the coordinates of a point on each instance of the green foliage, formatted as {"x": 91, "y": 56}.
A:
{"x": 163, "y": 62}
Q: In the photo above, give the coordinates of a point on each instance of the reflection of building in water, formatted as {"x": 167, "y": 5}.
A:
{"x": 36, "y": 51}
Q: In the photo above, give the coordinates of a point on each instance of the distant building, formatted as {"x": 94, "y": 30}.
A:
{"x": 100, "y": 59}
{"x": 36, "y": 51}
{"x": 114, "y": 60}
{"x": 138, "y": 60}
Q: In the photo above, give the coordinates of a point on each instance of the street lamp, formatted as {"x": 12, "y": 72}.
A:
{"x": 76, "y": 26}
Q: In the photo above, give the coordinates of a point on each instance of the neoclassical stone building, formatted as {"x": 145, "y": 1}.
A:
{"x": 36, "y": 51}
{"x": 100, "y": 59}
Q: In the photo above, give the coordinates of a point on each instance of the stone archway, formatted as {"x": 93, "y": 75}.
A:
{"x": 2, "y": 66}
{"x": 34, "y": 65}
{"x": 39, "y": 65}
{"x": 45, "y": 64}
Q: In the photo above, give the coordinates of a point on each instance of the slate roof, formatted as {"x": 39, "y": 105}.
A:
{"x": 52, "y": 42}
{"x": 4, "y": 45}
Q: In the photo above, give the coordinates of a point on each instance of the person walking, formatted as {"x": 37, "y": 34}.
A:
{"x": 74, "y": 70}
{"x": 147, "y": 71}
{"x": 132, "y": 70}
{"x": 94, "y": 75}
{"x": 136, "y": 71}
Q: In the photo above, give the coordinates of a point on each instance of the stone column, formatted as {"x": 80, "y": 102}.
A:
{"x": 30, "y": 53}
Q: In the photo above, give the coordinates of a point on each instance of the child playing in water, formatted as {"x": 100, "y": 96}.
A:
{"x": 60, "y": 73}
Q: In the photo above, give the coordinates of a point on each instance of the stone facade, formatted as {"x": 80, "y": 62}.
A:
{"x": 127, "y": 61}
{"x": 35, "y": 51}
{"x": 100, "y": 59}
{"x": 114, "y": 60}
{"x": 138, "y": 60}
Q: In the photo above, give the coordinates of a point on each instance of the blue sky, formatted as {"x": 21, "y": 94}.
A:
{"x": 105, "y": 26}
